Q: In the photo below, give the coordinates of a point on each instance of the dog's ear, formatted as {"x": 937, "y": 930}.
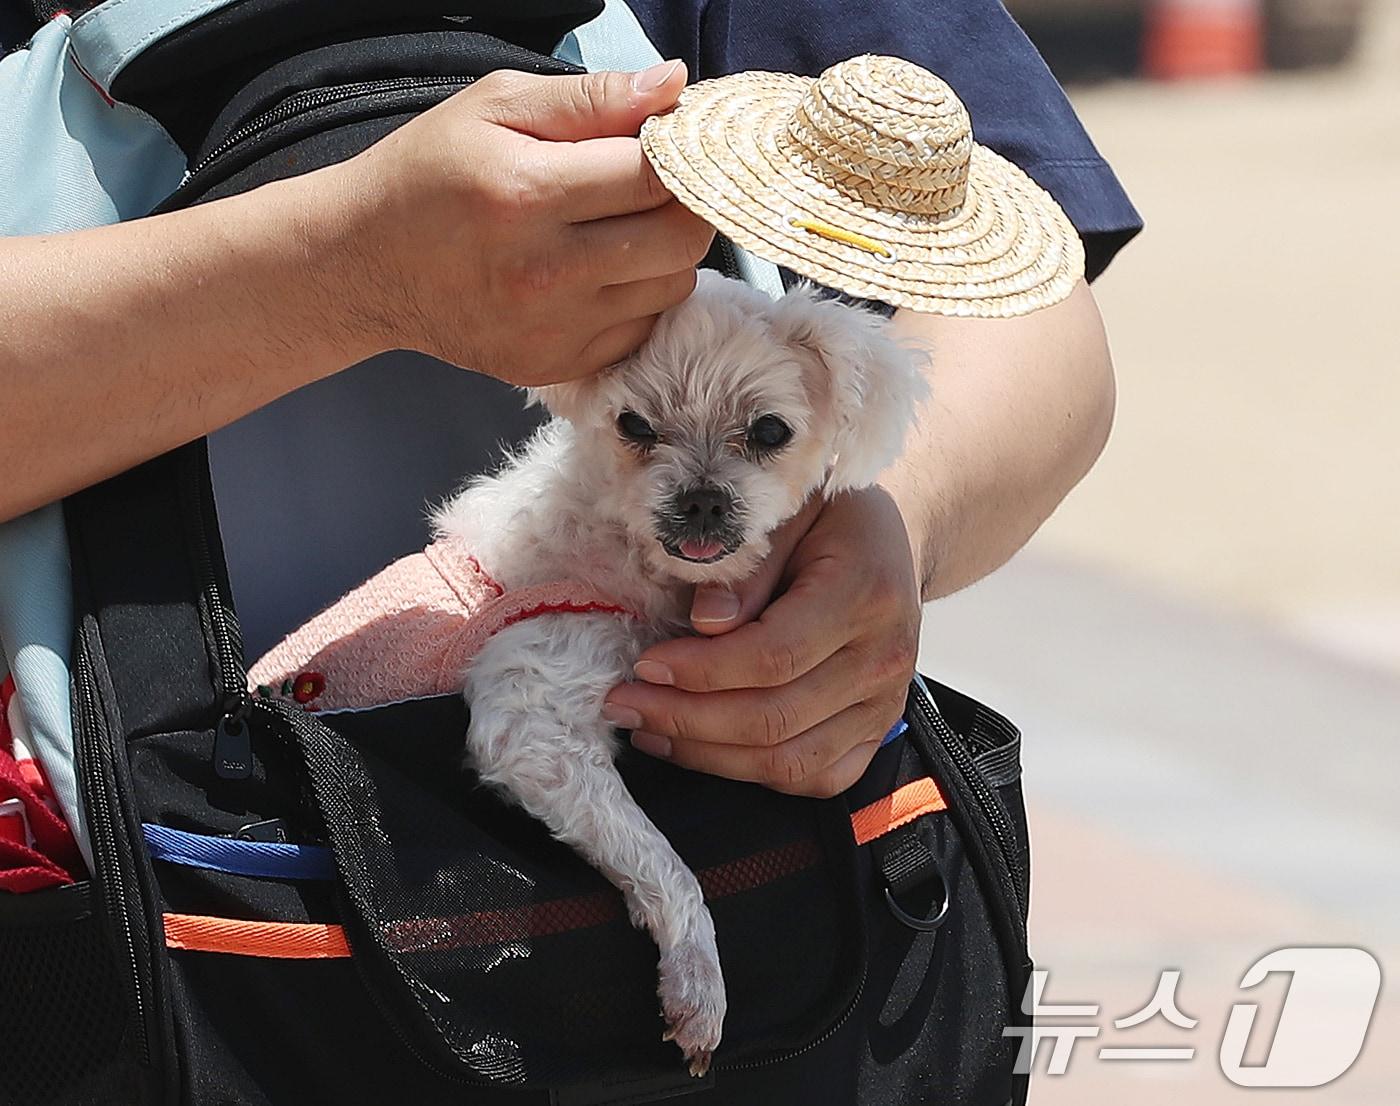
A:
{"x": 875, "y": 382}
{"x": 570, "y": 400}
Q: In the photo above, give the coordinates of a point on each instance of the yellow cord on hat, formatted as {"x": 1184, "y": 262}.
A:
{"x": 837, "y": 234}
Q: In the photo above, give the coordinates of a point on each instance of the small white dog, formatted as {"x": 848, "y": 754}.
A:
{"x": 668, "y": 470}
{"x": 547, "y": 580}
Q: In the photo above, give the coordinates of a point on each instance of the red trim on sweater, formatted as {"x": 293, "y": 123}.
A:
{"x": 590, "y": 607}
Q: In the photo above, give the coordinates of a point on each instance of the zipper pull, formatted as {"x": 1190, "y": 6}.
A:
{"x": 272, "y": 830}
{"x": 233, "y": 743}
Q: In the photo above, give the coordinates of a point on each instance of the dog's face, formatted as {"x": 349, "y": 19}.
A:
{"x": 735, "y": 410}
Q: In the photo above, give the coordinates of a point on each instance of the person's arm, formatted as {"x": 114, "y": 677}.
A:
{"x": 1019, "y": 411}
{"x": 516, "y": 230}
{"x": 797, "y": 692}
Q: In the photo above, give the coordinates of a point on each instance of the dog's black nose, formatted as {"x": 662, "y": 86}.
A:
{"x": 704, "y": 508}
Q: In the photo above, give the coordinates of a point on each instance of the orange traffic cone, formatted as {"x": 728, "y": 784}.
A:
{"x": 1203, "y": 38}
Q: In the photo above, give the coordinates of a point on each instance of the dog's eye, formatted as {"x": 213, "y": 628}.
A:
{"x": 768, "y": 432}
{"x": 635, "y": 428}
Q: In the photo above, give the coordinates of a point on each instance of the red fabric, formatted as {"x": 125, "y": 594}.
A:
{"x": 54, "y": 860}
{"x": 12, "y": 828}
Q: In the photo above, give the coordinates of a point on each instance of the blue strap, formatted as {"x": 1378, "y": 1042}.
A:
{"x": 896, "y": 732}
{"x": 268, "y": 859}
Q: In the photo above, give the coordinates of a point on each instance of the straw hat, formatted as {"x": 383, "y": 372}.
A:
{"x": 866, "y": 179}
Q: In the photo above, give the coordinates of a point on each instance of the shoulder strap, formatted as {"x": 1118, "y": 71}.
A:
{"x": 615, "y": 40}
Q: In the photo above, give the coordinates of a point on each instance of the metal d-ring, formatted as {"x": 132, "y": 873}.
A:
{"x": 923, "y": 925}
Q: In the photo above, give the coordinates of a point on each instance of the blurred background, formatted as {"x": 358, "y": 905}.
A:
{"x": 1202, "y": 647}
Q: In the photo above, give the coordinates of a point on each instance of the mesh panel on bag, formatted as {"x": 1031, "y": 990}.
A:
{"x": 500, "y": 951}
{"x": 63, "y": 1017}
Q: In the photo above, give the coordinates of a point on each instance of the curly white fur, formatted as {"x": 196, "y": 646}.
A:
{"x": 580, "y": 502}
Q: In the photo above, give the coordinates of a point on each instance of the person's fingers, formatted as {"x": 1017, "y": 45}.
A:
{"x": 760, "y": 717}
{"x": 613, "y": 344}
{"x": 642, "y": 298}
{"x": 574, "y": 107}
{"x": 717, "y": 609}
{"x": 637, "y": 247}
{"x": 802, "y": 765}
{"x": 841, "y": 775}
{"x": 797, "y": 631}
{"x": 597, "y": 178}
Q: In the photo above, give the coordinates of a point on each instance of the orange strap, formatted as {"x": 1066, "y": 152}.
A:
{"x": 283, "y": 940}
{"x": 896, "y": 809}
{"x": 310, "y": 941}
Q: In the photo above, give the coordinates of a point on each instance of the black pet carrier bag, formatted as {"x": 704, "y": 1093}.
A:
{"x": 293, "y": 909}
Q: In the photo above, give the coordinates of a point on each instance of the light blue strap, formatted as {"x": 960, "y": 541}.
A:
{"x": 111, "y": 34}
{"x": 36, "y": 628}
{"x": 69, "y": 158}
{"x": 268, "y": 859}
{"x": 614, "y": 40}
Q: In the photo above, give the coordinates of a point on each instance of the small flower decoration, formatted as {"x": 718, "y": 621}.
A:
{"x": 307, "y": 686}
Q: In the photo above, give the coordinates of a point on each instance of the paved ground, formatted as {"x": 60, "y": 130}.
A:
{"x": 1203, "y": 647}
{"x": 1202, "y": 791}
{"x": 1256, "y": 460}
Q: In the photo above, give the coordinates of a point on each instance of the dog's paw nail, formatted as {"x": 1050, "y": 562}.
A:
{"x": 692, "y": 1001}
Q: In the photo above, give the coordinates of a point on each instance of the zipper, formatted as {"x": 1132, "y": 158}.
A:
{"x": 728, "y": 258}
{"x": 299, "y": 103}
{"x": 233, "y": 748}
{"x": 102, "y": 803}
{"x": 1008, "y": 915}
{"x": 987, "y": 800}
{"x": 816, "y": 1042}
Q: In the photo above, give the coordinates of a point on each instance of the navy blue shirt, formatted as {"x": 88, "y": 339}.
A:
{"x": 327, "y": 485}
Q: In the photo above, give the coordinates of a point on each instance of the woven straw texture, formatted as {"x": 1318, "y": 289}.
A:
{"x": 867, "y": 179}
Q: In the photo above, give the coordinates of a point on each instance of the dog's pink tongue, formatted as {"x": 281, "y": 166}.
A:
{"x": 698, "y": 550}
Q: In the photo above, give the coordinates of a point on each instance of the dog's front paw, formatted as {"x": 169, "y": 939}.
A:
{"x": 692, "y": 1000}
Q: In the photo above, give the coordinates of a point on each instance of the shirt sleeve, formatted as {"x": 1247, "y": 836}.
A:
{"x": 1017, "y": 107}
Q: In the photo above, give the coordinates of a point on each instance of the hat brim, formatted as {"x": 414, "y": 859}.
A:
{"x": 1008, "y": 250}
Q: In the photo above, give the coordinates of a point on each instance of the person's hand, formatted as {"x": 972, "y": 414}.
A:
{"x": 517, "y": 229}
{"x": 795, "y": 693}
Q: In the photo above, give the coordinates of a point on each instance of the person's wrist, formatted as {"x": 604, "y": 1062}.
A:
{"x": 335, "y": 220}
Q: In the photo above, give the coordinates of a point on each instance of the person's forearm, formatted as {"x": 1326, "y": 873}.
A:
{"x": 119, "y": 343}
{"x": 1019, "y": 411}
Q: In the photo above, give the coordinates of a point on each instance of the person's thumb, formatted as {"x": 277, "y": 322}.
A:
{"x": 589, "y": 105}
{"x": 719, "y": 608}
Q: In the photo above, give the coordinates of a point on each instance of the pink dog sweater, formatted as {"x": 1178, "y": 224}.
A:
{"x": 408, "y": 632}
